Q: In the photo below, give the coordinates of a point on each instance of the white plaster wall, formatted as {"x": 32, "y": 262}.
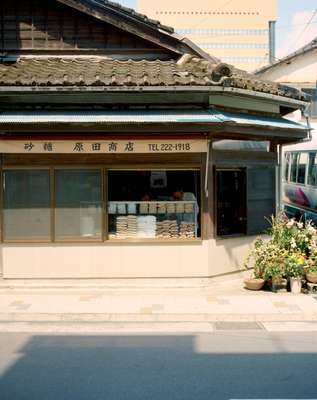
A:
{"x": 201, "y": 259}
{"x": 300, "y": 70}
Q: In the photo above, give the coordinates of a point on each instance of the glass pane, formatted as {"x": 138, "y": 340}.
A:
{"x": 286, "y": 166}
{"x": 78, "y": 213}
{"x": 153, "y": 204}
{"x": 26, "y": 208}
{"x": 294, "y": 158}
{"x": 312, "y": 169}
{"x": 301, "y": 169}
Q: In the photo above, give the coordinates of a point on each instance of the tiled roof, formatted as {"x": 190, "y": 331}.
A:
{"x": 188, "y": 71}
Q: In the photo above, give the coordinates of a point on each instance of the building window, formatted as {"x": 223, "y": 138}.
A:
{"x": 245, "y": 60}
{"x": 153, "y": 204}
{"x": 222, "y": 32}
{"x": 233, "y": 45}
{"x": 26, "y": 205}
{"x": 78, "y": 204}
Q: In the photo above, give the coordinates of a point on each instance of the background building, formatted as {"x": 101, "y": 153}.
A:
{"x": 298, "y": 69}
{"x": 239, "y": 32}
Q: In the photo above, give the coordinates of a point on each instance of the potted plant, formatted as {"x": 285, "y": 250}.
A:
{"x": 256, "y": 280}
{"x": 294, "y": 270}
{"x": 266, "y": 258}
{"x": 274, "y": 273}
{"x": 311, "y": 272}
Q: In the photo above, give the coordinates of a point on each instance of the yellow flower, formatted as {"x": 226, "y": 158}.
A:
{"x": 301, "y": 260}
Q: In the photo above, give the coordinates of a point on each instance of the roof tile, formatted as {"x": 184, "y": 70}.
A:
{"x": 192, "y": 71}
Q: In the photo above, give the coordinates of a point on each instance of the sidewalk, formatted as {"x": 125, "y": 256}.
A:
{"x": 218, "y": 302}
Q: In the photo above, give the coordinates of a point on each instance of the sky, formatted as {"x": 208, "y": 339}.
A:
{"x": 292, "y": 28}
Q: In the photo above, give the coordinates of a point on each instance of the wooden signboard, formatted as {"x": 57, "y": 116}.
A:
{"x": 103, "y": 146}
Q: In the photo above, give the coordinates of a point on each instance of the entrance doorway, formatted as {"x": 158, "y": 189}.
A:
{"x": 231, "y": 201}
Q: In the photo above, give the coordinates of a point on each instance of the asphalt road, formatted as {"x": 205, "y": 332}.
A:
{"x": 219, "y": 365}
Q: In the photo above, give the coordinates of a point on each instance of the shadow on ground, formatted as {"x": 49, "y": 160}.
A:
{"x": 207, "y": 366}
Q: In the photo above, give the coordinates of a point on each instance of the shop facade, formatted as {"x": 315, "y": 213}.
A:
{"x": 146, "y": 160}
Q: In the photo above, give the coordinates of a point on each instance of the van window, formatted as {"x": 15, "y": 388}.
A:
{"x": 301, "y": 168}
{"x": 312, "y": 169}
{"x": 286, "y": 166}
{"x": 293, "y": 175}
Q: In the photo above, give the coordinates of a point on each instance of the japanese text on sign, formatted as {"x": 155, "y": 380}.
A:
{"x": 103, "y": 147}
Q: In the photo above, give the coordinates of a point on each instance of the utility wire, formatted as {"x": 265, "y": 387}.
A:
{"x": 302, "y": 32}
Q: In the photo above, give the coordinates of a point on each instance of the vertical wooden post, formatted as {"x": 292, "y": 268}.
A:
{"x": 208, "y": 212}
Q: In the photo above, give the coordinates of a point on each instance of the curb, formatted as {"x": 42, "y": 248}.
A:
{"x": 110, "y": 317}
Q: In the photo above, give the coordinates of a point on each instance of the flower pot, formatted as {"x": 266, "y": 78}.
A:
{"x": 311, "y": 277}
{"x": 279, "y": 285}
{"x": 254, "y": 283}
{"x": 296, "y": 285}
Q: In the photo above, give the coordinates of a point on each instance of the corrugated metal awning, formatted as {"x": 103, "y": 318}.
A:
{"x": 145, "y": 117}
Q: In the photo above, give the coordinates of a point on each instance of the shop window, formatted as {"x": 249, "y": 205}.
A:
{"x": 26, "y": 205}
{"x": 78, "y": 204}
{"x": 153, "y": 204}
{"x": 312, "y": 170}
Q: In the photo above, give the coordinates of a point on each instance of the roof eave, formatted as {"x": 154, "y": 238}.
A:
{"x": 295, "y": 103}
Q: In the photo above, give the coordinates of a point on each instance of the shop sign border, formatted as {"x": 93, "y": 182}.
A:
{"x": 103, "y": 146}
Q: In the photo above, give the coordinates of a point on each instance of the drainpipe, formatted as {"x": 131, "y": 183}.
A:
{"x": 279, "y": 179}
{"x": 305, "y": 114}
{"x": 207, "y": 167}
{"x": 272, "y": 57}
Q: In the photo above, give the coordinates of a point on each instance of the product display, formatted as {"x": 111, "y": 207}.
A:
{"x": 152, "y": 208}
{"x": 144, "y": 208}
{"x": 121, "y": 208}
{"x": 131, "y": 208}
{"x": 187, "y": 230}
{"x": 146, "y": 226}
{"x": 189, "y": 208}
{"x": 122, "y": 227}
{"x": 180, "y": 208}
{"x": 132, "y": 226}
{"x": 153, "y": 219}
{"x": 112, "y": 208}
{"x": 167, "y": 229}
{"x": 170, "y": 208}
{"x": 161, "y": 208}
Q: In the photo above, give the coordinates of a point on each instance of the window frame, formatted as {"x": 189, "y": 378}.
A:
{"x": 159, "y": 168}
{"x": 77, "y": 239}
{"x": 104, "y": 240}
{"x": 15, "y": 168}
